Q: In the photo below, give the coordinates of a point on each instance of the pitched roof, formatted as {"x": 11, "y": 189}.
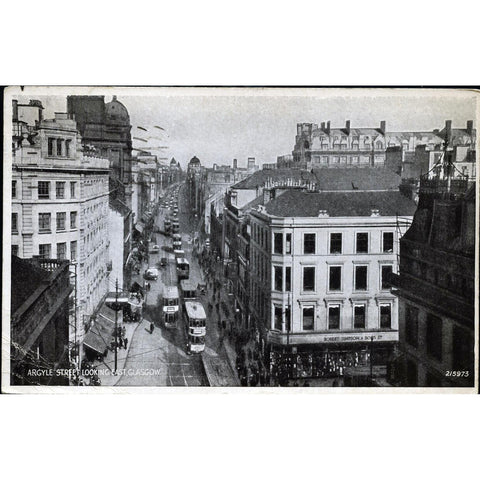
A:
{"x": 297, "y": 203}
{"x": 356, "y": 178}
{"x": 258, "y": 178}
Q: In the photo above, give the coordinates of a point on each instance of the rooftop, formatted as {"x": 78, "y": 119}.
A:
{"x": 260, "y": 177}
{"x": 26, "y": 278}
{"x": 356, "y": 178}
{"x": 297, "y": 203}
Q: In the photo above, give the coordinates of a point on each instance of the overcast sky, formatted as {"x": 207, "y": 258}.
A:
{"x": 240, "y": 124}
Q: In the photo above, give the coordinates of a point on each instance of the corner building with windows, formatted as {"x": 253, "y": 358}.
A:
{"x": 321, "y": 263}
{"x": 60, "y": 196}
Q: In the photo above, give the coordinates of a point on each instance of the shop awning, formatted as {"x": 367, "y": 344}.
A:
{"x": 116, "y": 301}
{"x": 100, "y": 334}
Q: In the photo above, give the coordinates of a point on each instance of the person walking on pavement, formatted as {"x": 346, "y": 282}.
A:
{"x": 152, "y": 327}
{"x": 125, "y": 343}
{"x": 124, "y": 331}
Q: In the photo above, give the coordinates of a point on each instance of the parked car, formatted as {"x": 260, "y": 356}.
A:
{"x": 154, "y": 249}
{"x": 151, "y": 273}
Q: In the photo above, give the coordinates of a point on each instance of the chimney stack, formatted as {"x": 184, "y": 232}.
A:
{"x": 251, "y": 163}
{"x": 328, "y": 127}
{"x": 214, "y": 166}
{"x": 448, "y": 130}
{"x": 347, "y": 127}
{"x": 383, "y": 127}
{"x": 235, "y": 164}
{"x": 322, "y": 125}
{"x": 470, "y": 127}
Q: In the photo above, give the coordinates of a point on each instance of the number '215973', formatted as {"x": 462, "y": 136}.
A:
{"x": 457, "y": 373}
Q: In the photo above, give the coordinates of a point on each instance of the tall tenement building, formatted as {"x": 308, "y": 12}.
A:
{"x": 436, "y": 287}
{"x": 60, "y": 194}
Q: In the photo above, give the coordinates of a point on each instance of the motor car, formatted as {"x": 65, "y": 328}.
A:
{"x": 163, "y": 262}
{"x": 154, "y": 249}
{"x": 151, "y": 273}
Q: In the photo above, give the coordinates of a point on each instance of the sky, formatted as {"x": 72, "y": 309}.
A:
{"x": 218, "y": 125}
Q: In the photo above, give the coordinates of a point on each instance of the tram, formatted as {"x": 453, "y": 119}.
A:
{"x": 188, "y": 290}
{"x": 183, "y": 268}
{"x": 196, "y": 326}
{"x": 170, "y": 306}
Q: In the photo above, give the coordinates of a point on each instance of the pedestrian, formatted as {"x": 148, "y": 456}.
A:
{"x": 125, "y": 342}
{"x": 152, "y": 327}
{"x": 124, "y": 331}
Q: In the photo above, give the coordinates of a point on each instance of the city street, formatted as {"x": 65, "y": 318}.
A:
{"x": 159, "y": 358}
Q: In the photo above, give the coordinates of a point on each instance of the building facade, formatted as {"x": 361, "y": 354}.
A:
{"x": 408, "y": 154}
{"x": 436, "y": 288}
{"x": 106, "y": 130}
{"x": 60, "y": 201}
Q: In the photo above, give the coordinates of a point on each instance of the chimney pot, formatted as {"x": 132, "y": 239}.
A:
{"x": 347, "y": 127}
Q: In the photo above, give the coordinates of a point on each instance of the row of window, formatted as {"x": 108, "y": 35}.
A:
{"x": 462, "y": 341}
{"x": 351, "y": 160}
{"x": 282, "y": 243}
{"x": 353, "y": 146}
{"x": 282, "y": 278}
{"x": 45, "y": 250}
{"x": 45, "y": 220}
{"x": 59, "y": 147}
{"x": 333, "y": 317}
{"x": 44, "y": 189}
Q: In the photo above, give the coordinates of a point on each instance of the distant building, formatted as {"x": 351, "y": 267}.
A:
{"x": 60, "y": 203}
{"x": 333, "y": 147}
{"x": 408, "y": 154}
{"x": 40, "y": 293}
{"x": 193, "y": 184}
{"x": 436, "y": 286}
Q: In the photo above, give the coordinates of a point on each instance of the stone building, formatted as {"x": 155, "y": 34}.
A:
{"x": 60, "y": 203}
{"x": 436, "y": 287}
{"x": 409, "y": 154}
{"x": 333, "y": 147}
{"x": 40, "y": 292}
{"x": 105, "y": 129}
{"x": 310, "y": 254}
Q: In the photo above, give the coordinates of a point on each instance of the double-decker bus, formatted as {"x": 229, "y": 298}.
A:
{"x": 196, "y": 326}
{"x": 170, "y": 306}
{"x": 183, "y": 268}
